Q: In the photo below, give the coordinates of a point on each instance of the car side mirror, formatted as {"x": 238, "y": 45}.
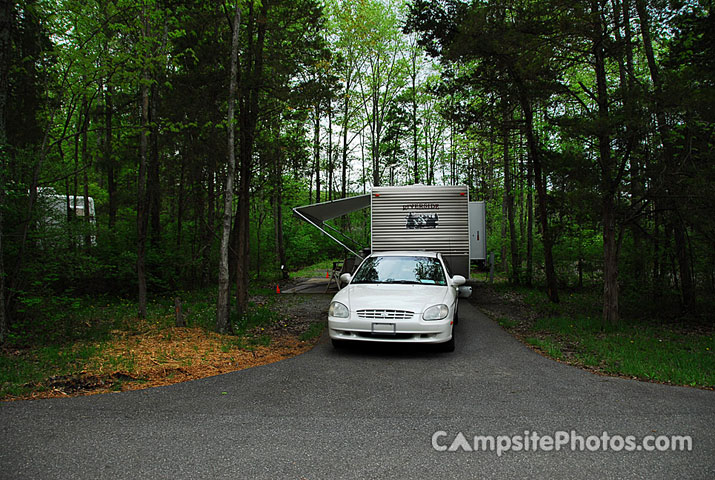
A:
{"x": 464, "y": 291}
{"x": 345, "y": 278}
{"x": 458, "y": 280}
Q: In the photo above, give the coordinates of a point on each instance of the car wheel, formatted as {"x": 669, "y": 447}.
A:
{"x": 456, "y": 317}
{"x": 447, "y": 346}
{"x": 339, "y": 343}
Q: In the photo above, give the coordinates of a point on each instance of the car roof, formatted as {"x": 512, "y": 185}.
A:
{"x": 406, "y": 253}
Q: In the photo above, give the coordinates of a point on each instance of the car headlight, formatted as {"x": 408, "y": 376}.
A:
{"x": 338, "y": 310}
{"x": 436, "y": 312}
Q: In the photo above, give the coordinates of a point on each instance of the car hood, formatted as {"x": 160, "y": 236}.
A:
{"x": 414, "y": 298}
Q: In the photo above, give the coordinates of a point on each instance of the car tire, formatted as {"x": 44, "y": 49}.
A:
{"x": 447, "y": 346}
{"x": 338, "y": 344}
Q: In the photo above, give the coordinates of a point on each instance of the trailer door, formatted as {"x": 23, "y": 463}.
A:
{"x": 477, "y": 231}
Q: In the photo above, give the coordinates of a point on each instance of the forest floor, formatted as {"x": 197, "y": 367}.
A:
{"x": 119, "y": 352}
{"x": 153, "y": 352}
{"x": 677, "y": 351}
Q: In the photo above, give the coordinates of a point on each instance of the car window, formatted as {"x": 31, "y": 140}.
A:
{"x": 407, "y": 270}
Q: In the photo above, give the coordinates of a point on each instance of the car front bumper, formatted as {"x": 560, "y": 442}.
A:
{"x": 402, "y": 331}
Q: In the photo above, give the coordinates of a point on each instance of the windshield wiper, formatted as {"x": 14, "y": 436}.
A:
{"x": 404, "y": 282}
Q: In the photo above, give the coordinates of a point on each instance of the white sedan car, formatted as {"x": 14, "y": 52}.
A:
{"x": 397, "y": 297}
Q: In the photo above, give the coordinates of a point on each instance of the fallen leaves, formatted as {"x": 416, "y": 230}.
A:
{"x": 158, "y": 357}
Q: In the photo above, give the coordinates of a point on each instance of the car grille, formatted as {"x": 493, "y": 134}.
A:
{"x": 385, "y": 314}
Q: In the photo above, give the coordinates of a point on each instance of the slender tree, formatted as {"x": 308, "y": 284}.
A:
{"x": 223, "y": 323}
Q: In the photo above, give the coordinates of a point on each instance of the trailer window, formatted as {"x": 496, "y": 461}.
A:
{"x": 407, "y": 270}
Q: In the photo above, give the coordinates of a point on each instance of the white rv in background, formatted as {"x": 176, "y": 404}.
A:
{"x": 58, "y": 207}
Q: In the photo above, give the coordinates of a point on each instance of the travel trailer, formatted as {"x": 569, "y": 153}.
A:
{"x": 431, "y": 218}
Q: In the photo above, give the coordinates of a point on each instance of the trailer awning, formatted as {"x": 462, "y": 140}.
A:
{"x": 319, "y": 213}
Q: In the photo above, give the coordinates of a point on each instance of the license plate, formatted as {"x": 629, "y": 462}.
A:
{"x": 384, "y": 328}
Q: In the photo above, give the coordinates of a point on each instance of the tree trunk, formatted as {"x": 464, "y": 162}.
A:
{"x": 248, "y": 113}
{"x": 509, "y": 198}
{"x": 109, "y": 158}
{"x": 223, "y": 322}
{"x": 609, "y": 176}
{"x": 414, "y": 120}
{"x": 680, "y": 236}
{"x": 344, "y": 163}
{"x": 153, "y": 186}
{"x": 503, "y": 254}
{"x": 3, "y": 318}
{"x": 278, "y": 213}
{"x": 529, "y": 224}
{"x": 142, "y": 217}
{"x": 316, "y": 151}
{"x": 610, "y": 265}
{"x": 85, "y": 167}
{"x": 5, "y": 25}
{"x": 331, "y": 165}
{"x": 541, "y": 195}
{"x": 180, "y": 204}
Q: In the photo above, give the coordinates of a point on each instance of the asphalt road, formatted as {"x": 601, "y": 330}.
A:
{"x": 364, "y": 413}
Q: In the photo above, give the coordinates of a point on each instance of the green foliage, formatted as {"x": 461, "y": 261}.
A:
{"x": 653, "y": 352}
{"x": 643, "y": 348}
{"x": 547, "y": 346}
{"x": 316, "y": 270}
{"x": 315, "y": 330}
{"x": 255, "y": 319}
{"x": 76, "y": 71}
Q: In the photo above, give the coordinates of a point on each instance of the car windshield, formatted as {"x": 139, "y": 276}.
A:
{"x": 405, "y": 270}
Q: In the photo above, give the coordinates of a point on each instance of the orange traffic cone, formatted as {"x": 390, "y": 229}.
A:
{"x": 278, "y": 289}
{"x": 327, "y": 274}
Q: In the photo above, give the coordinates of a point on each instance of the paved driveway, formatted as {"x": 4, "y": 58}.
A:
{"x": 363, "y": 413}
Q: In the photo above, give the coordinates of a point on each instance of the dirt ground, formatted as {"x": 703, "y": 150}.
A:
{"x": 150, "y": 356}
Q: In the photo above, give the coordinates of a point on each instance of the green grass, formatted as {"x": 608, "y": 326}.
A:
{"x": 257, "y": 315}
{"x": 315, "y": 330}
{"x": 259, "y": 340}
{"x": 64, "y": 336}
{"x": 551, "y": 348}
{"x": 507, "y": 323}
{"x": 316, "y": 270}
{"x": 21, "y": 374}
{"x": 662, "y": 352}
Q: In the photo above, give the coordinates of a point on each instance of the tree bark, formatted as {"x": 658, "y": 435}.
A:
{"x": 509, "y": 198}
{"x": 3, "y": 317}
{"x": 541, "y": 195}
{"x": 278, "y": 214}
{"x": 248, "y": 113}
{"x": 609, "y": 176}
{"x": 223, "y": 323}
{"x": 316, "y": 151}
{"x": 529, "y": 224}
{"x": 108, "y": 157}
{"x": 5, "y": 25}
{"x": 680, "y": 235}
{"x": 414, "y": 119}
{"x": 85, "y": 183}
{"x": 142, "y": 214}
{"x": 344, "y": 163}
{"x": 331, "y": 165}
{"x": 153, "y": 186}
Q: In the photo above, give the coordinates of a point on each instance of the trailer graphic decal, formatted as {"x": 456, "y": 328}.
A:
{"x": 421, "y": 206}
{"x": 421, "y": 220}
